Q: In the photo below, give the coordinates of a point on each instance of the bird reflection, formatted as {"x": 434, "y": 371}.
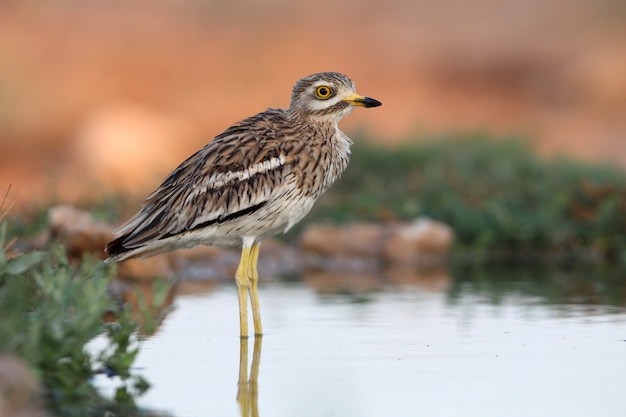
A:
{"x": 248, "y": 388}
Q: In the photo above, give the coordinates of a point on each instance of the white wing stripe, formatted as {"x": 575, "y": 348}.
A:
{"x": 220, "y": 179}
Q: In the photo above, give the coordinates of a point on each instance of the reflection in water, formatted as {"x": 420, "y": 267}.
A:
{"x": 248, "y": 388}
{"x": 150, "y": 301}
{"x": 552, "y": 335}
{"x": 334, "y": 282}
{"x": 557, "y": 287}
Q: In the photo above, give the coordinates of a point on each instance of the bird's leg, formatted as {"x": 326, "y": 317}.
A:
{"x": 253, "y": 276}
{"x": 243, "y": 284}
{"x": 248, "y": 388}
{"x": 243, "y": 390}
{"x": 253, "y": 382}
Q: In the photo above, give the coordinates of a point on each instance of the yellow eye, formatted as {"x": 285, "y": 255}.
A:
{"x": 323, "y": 92}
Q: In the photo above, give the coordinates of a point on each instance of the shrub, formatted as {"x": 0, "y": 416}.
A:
{"x": 50, "y": 310}
{"x": 499, "y": 197}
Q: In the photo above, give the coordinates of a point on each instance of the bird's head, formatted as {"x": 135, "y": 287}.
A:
{"x": 327, "y": 95}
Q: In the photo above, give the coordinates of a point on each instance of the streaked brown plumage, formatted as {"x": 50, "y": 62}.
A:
{"x": 256, "y": 179}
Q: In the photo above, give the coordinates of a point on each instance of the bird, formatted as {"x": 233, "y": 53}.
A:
{"x": 256, "y": 179}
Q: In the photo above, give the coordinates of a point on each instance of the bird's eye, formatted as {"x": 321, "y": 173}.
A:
{"x": 323, "y": 92}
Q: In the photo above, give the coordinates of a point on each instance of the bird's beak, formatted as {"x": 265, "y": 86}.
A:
{"x": 357, "y": 100}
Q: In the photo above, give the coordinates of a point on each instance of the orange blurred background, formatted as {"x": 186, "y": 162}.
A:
{"x": 100, "y": 97}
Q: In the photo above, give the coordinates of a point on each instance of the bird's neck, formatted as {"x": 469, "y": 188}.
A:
{"x": 322, "y": 122}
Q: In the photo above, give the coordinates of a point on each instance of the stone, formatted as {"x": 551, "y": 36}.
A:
{"x": 78, "y": 232}
{"x": 278, "y": 259}
{"x": 145, "y": 270}
{"x": 359, "y": 240}
{"x": 220, "y": 264}
{"x": 205, "y": 263}
{"x": 422, "y": 241}
{"x": 20, "y": 393}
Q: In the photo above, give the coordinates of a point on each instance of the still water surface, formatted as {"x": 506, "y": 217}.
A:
{"x": 475, "y": 348}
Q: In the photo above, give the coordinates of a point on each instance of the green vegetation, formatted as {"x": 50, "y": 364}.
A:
{"x": 501, "y": 200}
{"x": 50, "y": 310}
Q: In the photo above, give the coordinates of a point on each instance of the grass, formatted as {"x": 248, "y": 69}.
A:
{"x": 501, "y": 199}
{"x": 50, "y": 311}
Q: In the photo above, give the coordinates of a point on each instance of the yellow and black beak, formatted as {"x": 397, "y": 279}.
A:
{"x": 357, "y": 100}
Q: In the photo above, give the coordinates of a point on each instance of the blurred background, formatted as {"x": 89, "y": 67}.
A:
{"x": 109, "y": 96}
{"x": 100, "y": 99}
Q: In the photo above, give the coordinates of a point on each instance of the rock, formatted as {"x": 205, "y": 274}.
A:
{"x": 20, "y": 394}
{"x": 202, "y": 254}
{"x": 368, "y": 246}
{"x": 205, "y": 263}
{"x": 359, "y": 247}
{"x": 216, "y": 263}
{"x": 78, "y": 231}
{"x": 359, "y": 239}
{"x": 145, "y": 270}
{"x": 277, "y": 259}
{"x": 423, "y": 241}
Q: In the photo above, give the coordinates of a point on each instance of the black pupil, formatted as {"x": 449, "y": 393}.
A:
{"x": 323, "y": 91}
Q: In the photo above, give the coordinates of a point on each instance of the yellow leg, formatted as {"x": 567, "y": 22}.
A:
{"x": 243, "y": 285}
{"x": 253, "y": 276}
{"x": 243, "y": 389}
{"x": 248, "y": 388}
{"x": 253, "y": 382}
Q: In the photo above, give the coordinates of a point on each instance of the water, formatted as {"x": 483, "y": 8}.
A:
{"x": 486, "y": 345}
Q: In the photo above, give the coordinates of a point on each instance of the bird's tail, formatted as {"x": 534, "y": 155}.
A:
{"x": 118, "y": 251}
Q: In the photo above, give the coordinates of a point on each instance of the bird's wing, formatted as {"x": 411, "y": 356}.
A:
{"x": 233, "y": 175}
